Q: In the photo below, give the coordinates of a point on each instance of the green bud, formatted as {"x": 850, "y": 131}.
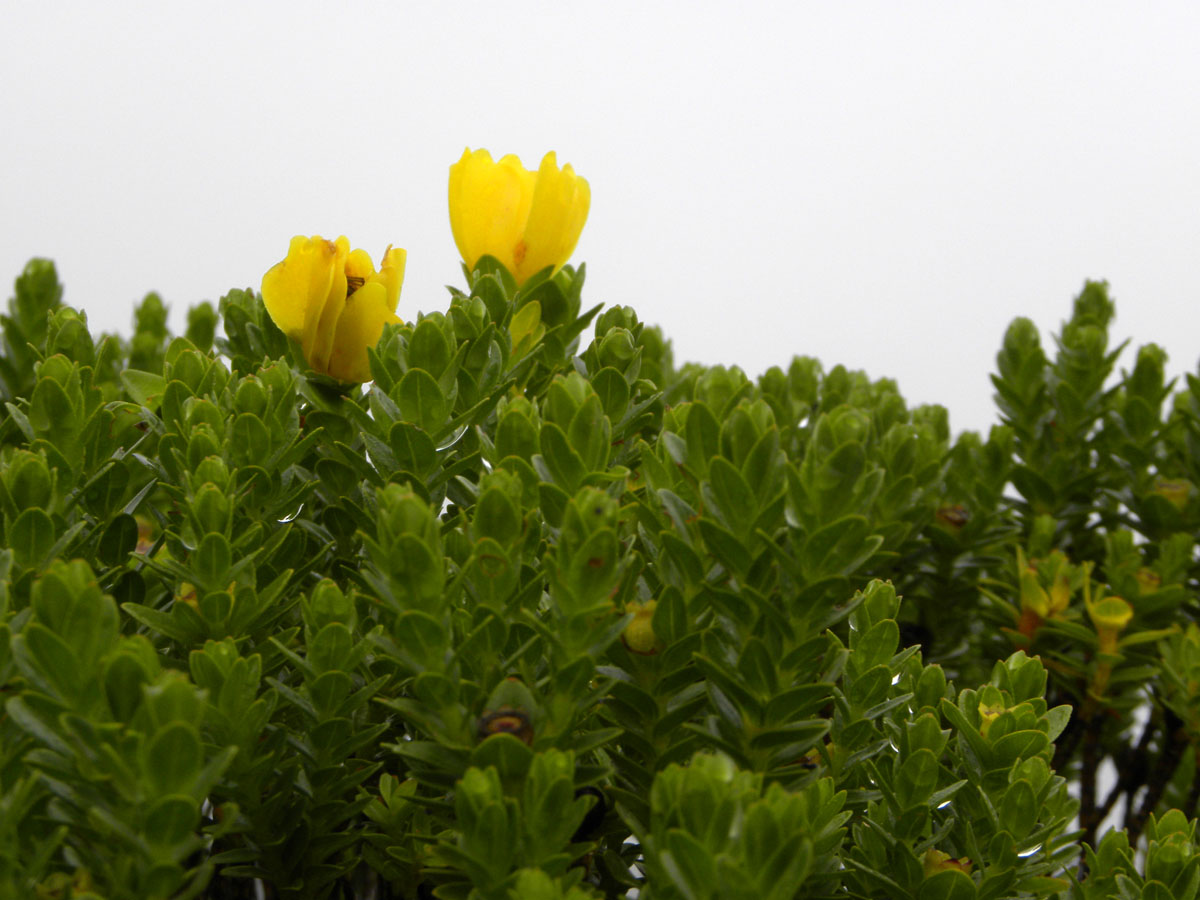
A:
{"x": 326, "y": 605}
{"x": 57, "y": 368}
{"x": 774, "y": 384}
{"x": 931, "y": 687}
{"x": 174, "y": 699}
{"x": 210, "y": 507}
{"x": 37, "y": 292}
{"x": 565, "y": 396}
{"x": 204, "y": 412}
{"x": 1093, "y": 306}
{"x": 202, "y": 326}
{"x": 279, "y": 382}
{"x": 848, "y": 424}
{"x": 616, "y": 317}
{"x": 935, "y": 419}
{"x": 1167, "y": 856}
{"x": 616, "y": 349}
{"x": 68, "y": 334}
{"x": 250, "y": 396}
{"x": 718, "y": 387}
{"x": 189, "y": 367}
{"x": 804, "y": 379}
{"x": 497, "y": 511}
{"x": 517, "y": 429}
{"x": 1146, "y": 380}
{"x": 470, "y": 316}
{"x": 203, "y": 443}
{"x": 402, "y": 512}
{"x": 150, "y": 317}
{"x": 1021, "y": 358}
{"x": 429, "y": 347}
{"x": 844, "y": 386}
{"x": 589, "y": 511}
{"x": 879, "y": 603}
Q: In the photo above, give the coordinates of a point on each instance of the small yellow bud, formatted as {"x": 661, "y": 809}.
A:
{"x": 1148, "y": 580}
{"x": 989, "y": 713}
{"x": 1176, "y": 491}
{"x": 936, "y": 861}
{"x": 639, "y": 636}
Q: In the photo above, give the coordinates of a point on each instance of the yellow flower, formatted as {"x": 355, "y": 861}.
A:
{"x": 527, "y": 220}
{"x": 1109, "y": 616}
{"x": 331, "y": 301}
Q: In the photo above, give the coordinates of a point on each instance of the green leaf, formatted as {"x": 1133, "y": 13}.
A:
{"x": 1020, "y": 745}
{"x": 734, "y": 497}
{"x": 31, "y": 536}
{"x": 211, "y": 561}
{"x": 413, "y": 449}
{"x": 172, "y": 759}
{"x": 590, "y": 434}
{"x": 724, "y": 546}
{"x": 145, "y": 388}
{"x": 564, "y": 465}
{"x": 428, "y": 349}
{"x": 421, "y": 401}
{"x": 507, "y": 754}
{"x": 171, "y": 820}
{"x": 950, "y": 884}
{"x": 916, "y": 778}
{"x": 703, "y": 434}
{"x": 1018, "y": 809}
{"x": 613, "y": 390}
{"x": 838, "y": 549}
{"x": 119, "y": 539}
{"x": 251, "y": 440}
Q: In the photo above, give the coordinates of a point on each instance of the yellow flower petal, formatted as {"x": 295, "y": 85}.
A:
{"x": 489, "y": 203}
{"x": 319, "y": 333}
{"x": 391, "y": 274}
{"x": 361, "y": 323}
{"x": 556, "y": 217}
{"x": 294, "y": 290}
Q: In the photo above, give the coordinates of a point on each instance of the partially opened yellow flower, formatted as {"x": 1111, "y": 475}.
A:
{"x": 331, "y": 301}
{"x": 527, "y": 220}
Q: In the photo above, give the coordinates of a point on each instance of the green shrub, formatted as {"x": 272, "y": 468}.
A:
{"x": 540, "y": 615}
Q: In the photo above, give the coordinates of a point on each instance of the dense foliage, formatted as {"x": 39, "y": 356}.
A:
{"x": 540, "y": 615}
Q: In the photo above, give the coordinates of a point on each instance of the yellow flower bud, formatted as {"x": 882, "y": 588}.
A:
{"x": 1148, "y": 580}
{"x": 527, "y": 220}
{"x": 331, "y": 301}
{"x": 936, "y": 861}
{"x": 639, "y": 636}
{"x": 989, "y": 713}
{"x": 1175, "y": 491}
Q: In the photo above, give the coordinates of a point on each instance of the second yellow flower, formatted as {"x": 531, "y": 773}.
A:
{"x": 527, "y": 220}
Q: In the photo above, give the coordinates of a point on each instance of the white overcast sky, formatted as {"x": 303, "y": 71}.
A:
{"x": 880, "y": 184}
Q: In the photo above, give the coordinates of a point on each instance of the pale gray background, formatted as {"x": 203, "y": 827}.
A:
{"x": 880, "y": 184}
